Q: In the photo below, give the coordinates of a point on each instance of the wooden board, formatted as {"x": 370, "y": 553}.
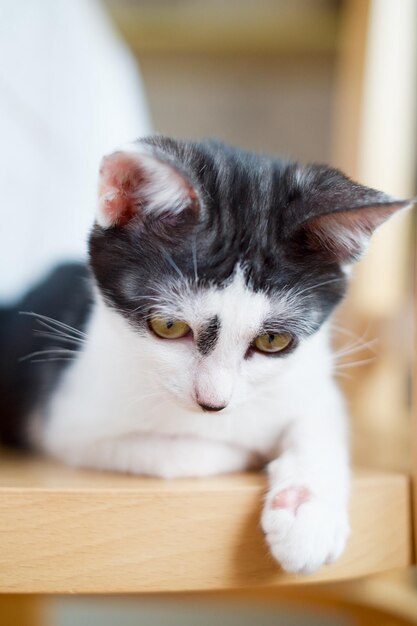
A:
{"x": 414, "y": 402}
{"x": 69, "y": 531}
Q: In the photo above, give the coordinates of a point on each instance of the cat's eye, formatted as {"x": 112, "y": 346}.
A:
{"x": 272, "y": 342}
{"x": 168, "y": 328}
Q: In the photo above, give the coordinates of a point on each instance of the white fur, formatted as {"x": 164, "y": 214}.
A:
{"x": 352, "y": 240}
{"x": 128, "y": 403}
{"x": 165, "y": 189}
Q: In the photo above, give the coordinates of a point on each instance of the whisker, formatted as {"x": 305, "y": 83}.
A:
{"x": 58, "y": 337}
{"x": 146, "y": 297}
{"x": 141, "y": 307}
{"x": 316, "y": 285}
{"x": 138, "y": 310}
{"x": 53, "y": 329}
{"x": 355, "y": 348}
{"x": 194, "y": 252}
{"x": 354, "y": 363}
{"x": 58, "y": 358}
{"x": 51, "y": 351}
{"x": 171, "y": 261}
{"x": 346, "y": 331}
{"x": 343, "y": 375}
{"x": 358, "y": 345}
{"x": 349, "y": 333}
{"x": 45, "y": 319}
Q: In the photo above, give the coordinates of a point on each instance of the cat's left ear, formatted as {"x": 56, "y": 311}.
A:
{"x": 137, "y": 182}
{"x": 342, "y": 232}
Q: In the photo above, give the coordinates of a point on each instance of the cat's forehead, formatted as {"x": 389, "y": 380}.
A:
{"x": 229, "y": 171}
{"x": 232, "y": 300}
{"x": 233, "y": 306}
{"x": 246, "y": 210}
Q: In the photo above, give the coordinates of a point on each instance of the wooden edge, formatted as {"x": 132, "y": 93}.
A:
{"x": 157, "y": 536}
{"x": 388, "y": 595}
{"x": 18, "y": 610}
{"x": 414, "y": 405}
{"x": 350, "y": 73}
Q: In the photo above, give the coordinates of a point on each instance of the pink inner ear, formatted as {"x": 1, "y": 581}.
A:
{"x": 120, "y": 177}
{"x": 135, "y": 182}
{"x": 344, "y": 235}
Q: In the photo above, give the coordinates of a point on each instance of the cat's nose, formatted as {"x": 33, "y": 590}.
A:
{"x": 209, "y": 407}
{"x": 213, "y": 385}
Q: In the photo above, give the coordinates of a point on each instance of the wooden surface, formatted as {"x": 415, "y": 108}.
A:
{"x": 18, "y": 610}
{"x": 349, "y": 85}
{"x": 387, "y": 599}
{"x": 69, "y": 531}
{"x": 414, "y": 402}
{"x": 373, "y": 141}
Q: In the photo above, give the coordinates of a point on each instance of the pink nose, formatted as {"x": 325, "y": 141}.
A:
{"x": 213, "y": 385}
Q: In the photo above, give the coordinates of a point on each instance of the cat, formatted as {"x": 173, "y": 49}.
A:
{"x": 197, "y": 340}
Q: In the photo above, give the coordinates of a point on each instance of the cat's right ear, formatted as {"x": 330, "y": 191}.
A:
{"x": 136, "y": 182}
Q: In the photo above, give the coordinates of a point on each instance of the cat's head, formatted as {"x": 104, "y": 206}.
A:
{"x": 224, "y": 262}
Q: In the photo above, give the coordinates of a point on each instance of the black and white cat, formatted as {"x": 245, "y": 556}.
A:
{"x": 202, "y": 340}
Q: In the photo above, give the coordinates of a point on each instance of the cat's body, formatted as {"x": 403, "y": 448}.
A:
{"x": 122, "y": 405}
{"x": 29, "y": 372}
{"x": 206, "y": 347}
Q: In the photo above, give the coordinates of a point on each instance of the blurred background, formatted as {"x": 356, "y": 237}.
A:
{"x": 331, "y": 81}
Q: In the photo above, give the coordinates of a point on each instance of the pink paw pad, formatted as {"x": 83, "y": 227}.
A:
{"x": 291, "y": 498}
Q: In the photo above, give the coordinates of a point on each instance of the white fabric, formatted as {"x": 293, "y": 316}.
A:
{"x": 69, "y": 92}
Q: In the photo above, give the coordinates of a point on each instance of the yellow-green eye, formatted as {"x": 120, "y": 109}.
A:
{"x": 169, "y": 329}
{"x": 273, "y": 342}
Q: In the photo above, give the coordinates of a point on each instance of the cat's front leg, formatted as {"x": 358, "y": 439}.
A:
{"x": 305, "y": 516}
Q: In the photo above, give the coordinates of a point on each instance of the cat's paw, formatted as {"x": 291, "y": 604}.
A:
{"x": 302, "y": 531}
